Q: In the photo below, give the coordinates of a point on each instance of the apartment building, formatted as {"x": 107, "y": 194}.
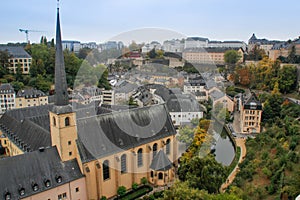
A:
{"x": 7, "y": 97}
{"x": 30, "y": 97}
{"x": 18, "y": 57}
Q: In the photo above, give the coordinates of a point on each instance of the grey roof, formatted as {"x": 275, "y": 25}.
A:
{"x": 23, "y": 171}
{"x": 161, "y": 162}
{"x": 30, "y": 93}
{"x": 251, "y": 102}
{"x": 114, "y": 132}
{"x": 126, "y": 87}
{"x": 215, "y": 95}
{"x": 61, "y": 93}
{"x": 100, "y": 134}
{"x": 15, "y": 51}
{"x": 6, "y": 88}
{"x": 183, "y": 103}
{"x": 196, "y": 39}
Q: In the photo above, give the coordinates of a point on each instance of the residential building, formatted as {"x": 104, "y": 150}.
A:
{"x": 227, "y": 44}
{"x": 7, "y": 97}
{"x": 71, "y": 45}
{"x": 90, "y": 45}
{"x": 108, "y": 97}
{"x": 208, "y": 55}
{"x": 250, "y": 114}
{"x": 30, "y": 97}
{"x": 264, "y": 44}
{"x": 174, "y": 46}
{"x": 153, "y": 45}
{"x": 100, "y": 151}
{"x": 283, "y": 49}
{"x": 18, "y": 57}
{"x": 41, "y": 175}
{"x": 124, "y": 90}
{"x": 223, "y": 99}
{"x": 195, "y": 42}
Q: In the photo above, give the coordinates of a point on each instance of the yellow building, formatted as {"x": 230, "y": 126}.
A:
{"x": 31, "y": 97}
{"x": 208, "y": 55}
{"x": 18, "y": 57}
{"x": 250, "y": 114}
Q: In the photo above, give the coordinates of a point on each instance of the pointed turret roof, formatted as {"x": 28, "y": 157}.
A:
{"x": 161, "y": 162}
{"x": 253, "y": 38}
{"x": 61, "y": 94}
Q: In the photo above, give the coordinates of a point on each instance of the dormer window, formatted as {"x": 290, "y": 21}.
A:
{"x": 58, "y": 179}
{"x": 67, "y": 121}
{"x": 47, "y": 183}
{"x": 35, "y": 187}
{"x": 22, "y": 192}
{"x": 7, "y": 196}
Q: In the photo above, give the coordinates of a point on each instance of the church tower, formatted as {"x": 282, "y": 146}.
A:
{"x": 62, "y": 118}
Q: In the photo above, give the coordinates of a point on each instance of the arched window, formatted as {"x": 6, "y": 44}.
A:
{"x": 154, "y": 149}
{"x": 160, "y": 176}
{"x": 67, "y": 121}
{"x": 168, "y": 144}
{"x": 140, "y": 157}
{"x": 123, "y": 164}
{"x": 105, "y": 168}
{"x": 151, "y": 174}
{"x": 54, "y": 121}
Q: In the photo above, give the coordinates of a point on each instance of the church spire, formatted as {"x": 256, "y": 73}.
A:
{"x": 61, "y": 94}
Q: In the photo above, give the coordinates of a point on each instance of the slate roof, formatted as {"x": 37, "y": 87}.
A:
{"x": 183, "y": 103}
{"x": 22, "y": 171}
{"x": 6, "y": 88}
{"x": 114, "y": 132}
{"x": 15, "y": 51}
{"x": 251, "y": 102}
{"x": 210, "y": 50}
{"x": 161, "y": 162}
{"x": 30, "y": 93}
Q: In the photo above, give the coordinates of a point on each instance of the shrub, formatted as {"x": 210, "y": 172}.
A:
{"x": 103, "y": 198}
{"x": 135, "y": 186}
{"x": 144, "y": 180}
{"x": 121, "y": 190}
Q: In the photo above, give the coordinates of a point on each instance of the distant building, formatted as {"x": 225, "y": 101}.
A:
{"x": 219, "y": 97}
{"x": 153, "y": 45}
{"x": 71, "y": 45}
{"x": 264, "y": 44}
{"x": 208, "y": 55}
{"x": 19, "y": 57}
{"x": 174, "y": 46}
{"x": 108, "y": 97}
{"x": 250, "y": 114}
{"x": 30, "y": 97}
{"x": 284, "y": 48}
{"x": 227, "y": 44}
{"x": 7, "y": 97}
{"x": 90, "y": 45}
{"x": 195, "y": 42}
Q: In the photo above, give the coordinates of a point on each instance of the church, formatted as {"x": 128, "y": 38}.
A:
{"x": 58, "y": 152}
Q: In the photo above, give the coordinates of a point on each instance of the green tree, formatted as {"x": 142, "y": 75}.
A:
{"x": 203, "y": 173}
{"x": 287, "y": 78}
{"x": 186, "y": 135}
{"x": 232, "y": 57}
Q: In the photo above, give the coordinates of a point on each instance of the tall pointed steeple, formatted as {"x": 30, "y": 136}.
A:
{"x": 61, "y": 93}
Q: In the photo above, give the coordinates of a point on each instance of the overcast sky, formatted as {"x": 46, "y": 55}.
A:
{"x": 101, "y": 20}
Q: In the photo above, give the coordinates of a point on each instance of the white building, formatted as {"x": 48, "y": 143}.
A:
{"x": 7, "y": 97}
{"x": 173, "y": 46}
{"x": 153, "y": 45}
{"x": 195, "y": 42}
{"x": 73, "y": 46}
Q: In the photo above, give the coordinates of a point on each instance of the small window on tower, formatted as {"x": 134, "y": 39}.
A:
{"x": 54, "y": 121}
{"x": 67, "y": 121}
